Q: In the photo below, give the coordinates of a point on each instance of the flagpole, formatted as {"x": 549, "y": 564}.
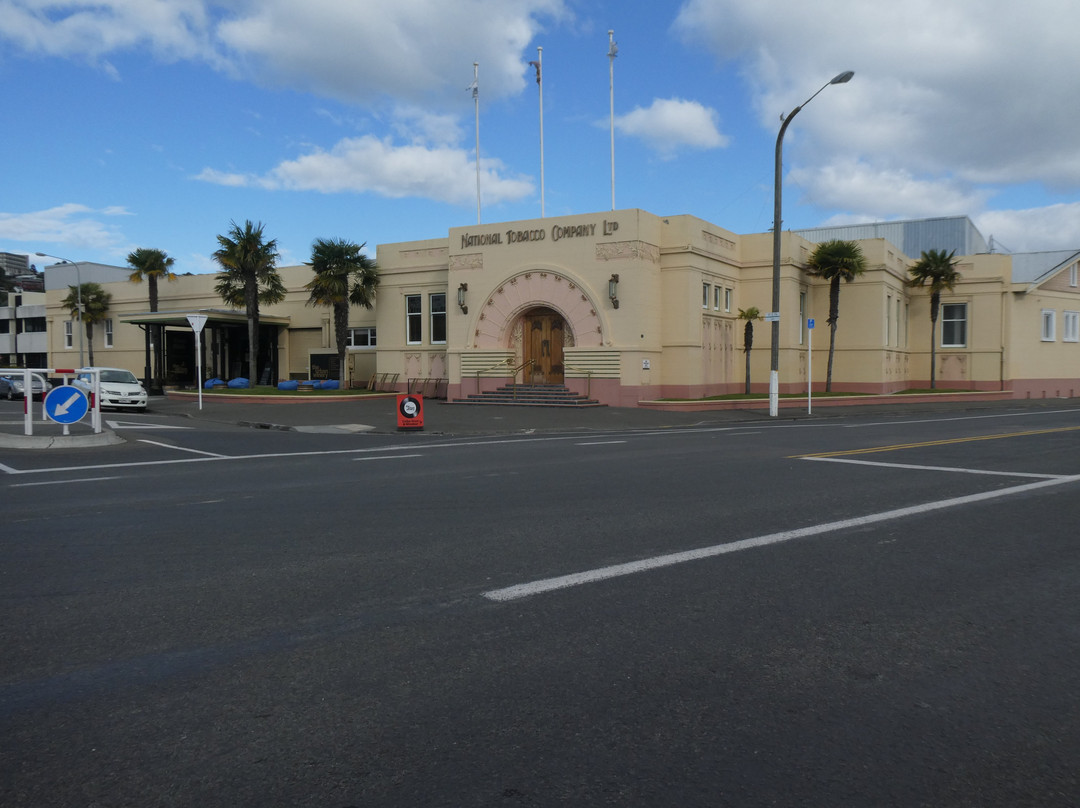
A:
{"x": 613, "y": 51}
{"x": 476, "y": 103}
{"x": 540, "y": 81}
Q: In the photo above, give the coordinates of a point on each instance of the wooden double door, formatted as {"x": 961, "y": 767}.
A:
{"x": 543, "y": 343}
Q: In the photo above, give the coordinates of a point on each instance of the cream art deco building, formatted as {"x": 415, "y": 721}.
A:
{"x": 625, "y": 306}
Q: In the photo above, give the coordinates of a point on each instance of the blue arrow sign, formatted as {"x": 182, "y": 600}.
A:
{"x": 810, "y": 323}
{"x": 66, "y": 404}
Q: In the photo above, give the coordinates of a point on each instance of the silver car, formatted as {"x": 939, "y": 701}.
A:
{"x": 11, "y": 386}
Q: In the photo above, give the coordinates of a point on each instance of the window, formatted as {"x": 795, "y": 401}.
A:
{"x": 704, "y": 295}
{"x": 67, "y": 333}
{"x": 1072, "y": 327}
{"x": 954, "y": 325}
{"x": 802, "y": 318}
{"x": 362, "y": 337}
{"x": 438, "y": 318}
{"x": 717, "y": 293}
{"x": 727, "y": 300}
{"x": 413, "y": 320}
{"x": 108, "y": 333}
{"x": 1072, "y": 274}
{"x": 1049, "y": 325}
{"x": 888, "y": 319}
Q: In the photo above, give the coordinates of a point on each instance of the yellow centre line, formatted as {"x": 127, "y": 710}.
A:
{"x": 898, "y": 446}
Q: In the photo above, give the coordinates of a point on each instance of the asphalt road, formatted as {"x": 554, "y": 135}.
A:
{"x": 866, "y": 609}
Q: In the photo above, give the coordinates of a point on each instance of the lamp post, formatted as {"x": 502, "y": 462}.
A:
{"x": 78, "y": 297}
{"x": 774, "y": 373}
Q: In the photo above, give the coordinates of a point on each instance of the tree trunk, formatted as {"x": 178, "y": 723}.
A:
{"x": 933, "y": 354}
{"x": 90, "y": 342}
{"x": 935, "y": 307}
{"x": 832, "y": 347}
{"x": 748, "y": 343}
{"x": 834, "y": 315}
{"x": 251, "y": 299}
{"x": 341, "y": 337}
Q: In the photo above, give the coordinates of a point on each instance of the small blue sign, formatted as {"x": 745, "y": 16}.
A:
{"x": 810, "y": 323}
{"x": 66, "y": 404}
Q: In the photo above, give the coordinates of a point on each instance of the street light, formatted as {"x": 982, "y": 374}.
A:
{"x": 78, "y": 297}
{"x": 774, "y": 374}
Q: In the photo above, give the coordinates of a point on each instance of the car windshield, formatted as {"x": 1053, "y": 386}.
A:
{"x": 120, "y": 376}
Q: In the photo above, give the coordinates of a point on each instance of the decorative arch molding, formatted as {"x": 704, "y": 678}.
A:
{"x": 533, "y": 288}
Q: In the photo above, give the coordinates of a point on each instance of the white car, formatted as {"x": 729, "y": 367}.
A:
{"x": 120, "y": 388}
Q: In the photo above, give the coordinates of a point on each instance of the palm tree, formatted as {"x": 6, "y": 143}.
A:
{"x": 749, "y": 315}
{"x": 95, "y": 305}
{"x": 152, "y": 264}
{"x": 248, "y": 273}
{"x": 937, "y": 269}
{"x": 835, "y": 260}
{"x": 343, "y": 276}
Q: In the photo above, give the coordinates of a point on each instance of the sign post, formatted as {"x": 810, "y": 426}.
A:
{"x": 197, "y": 321}
{"x": 809, "y": 366}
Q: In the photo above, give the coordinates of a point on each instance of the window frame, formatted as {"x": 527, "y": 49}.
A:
{"x": 108, "y": 338}
{"x": 414, "y": 319}
{"x": 369, "y": 333}
{"x": 705, "y": 287}
{"x": 1048, "y": 325}
{"x": 69, "y": 334}
{"x": 1070, "y": 326}
{"x": 947, "y": 324}
{"x": 728, "y": 294}
{"x": 803, "y": 300}
{"x": 437, "y": 318}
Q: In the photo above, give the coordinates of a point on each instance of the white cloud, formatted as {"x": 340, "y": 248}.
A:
{"x": 368, "y": 164}
{"x": 74, "y": 225}
{"x": 874, "y": 192}
{"x": 359, "y": 51}
{"x": 959, "y": 94}
{"x": 367, "y": 49}
{"x": 671, "y": 123}
{"x": 1056, "y": 227}
{"x": 93, "y": 29}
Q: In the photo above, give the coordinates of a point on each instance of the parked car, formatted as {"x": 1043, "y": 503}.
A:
{"x": 11, "y": 386}
{"x": 120, "y": 389}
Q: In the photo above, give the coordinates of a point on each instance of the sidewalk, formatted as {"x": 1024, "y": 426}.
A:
{"x": 379, "y": 415}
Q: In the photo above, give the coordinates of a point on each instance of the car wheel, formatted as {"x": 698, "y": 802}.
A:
{"x": 10, "y": 395}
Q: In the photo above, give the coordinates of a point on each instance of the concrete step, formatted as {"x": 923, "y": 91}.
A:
{"x": 530, "y": 395}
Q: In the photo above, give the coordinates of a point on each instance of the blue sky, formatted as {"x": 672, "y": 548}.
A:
{"x": 156, "y": 123}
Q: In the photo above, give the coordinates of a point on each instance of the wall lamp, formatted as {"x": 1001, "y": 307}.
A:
{"x": 461, "y": 290}
{"x": 613, "y": 290}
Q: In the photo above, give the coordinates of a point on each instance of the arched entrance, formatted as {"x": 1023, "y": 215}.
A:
{"x": 543, "y": 339}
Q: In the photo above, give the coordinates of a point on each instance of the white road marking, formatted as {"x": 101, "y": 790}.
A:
{"x": 142, "y": 425}
{"x": 387, "y": 457}
{"x": 601, "y": 443}
{"x": 185, "y": 449}
{"x": 914, "y": 467}
{"x": 65, "y": 482}
{"x": 618, "y": 570}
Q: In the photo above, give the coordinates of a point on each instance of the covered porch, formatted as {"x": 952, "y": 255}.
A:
{"x": 170, "y": 346}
